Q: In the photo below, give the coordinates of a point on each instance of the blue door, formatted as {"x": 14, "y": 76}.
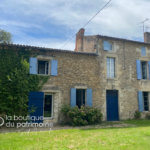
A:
{"x": 36, "y": 100}
{"x": 112, "y": 105}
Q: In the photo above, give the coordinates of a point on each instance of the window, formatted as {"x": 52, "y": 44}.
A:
{"x": 146, "y": 101}
{"x": 143, "y": 51}
{"x": 43, "y": 67}
{"x": 48, "y": 106}
{"x": 144, "y": 69}
{"x": 107, "y": 46}
{"x": 80, "y": 97}
{"x": 110, "y": 67}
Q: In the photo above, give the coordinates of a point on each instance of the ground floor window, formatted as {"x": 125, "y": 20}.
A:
{"x": 146, "y": 101}
{"x": 80, "y": 97}
{"x": 48, "y": 106}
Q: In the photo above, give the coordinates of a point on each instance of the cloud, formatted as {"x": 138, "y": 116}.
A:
{"x": 57, "y": 21}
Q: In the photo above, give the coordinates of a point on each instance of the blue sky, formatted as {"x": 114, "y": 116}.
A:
{"x": 50, "y": 23}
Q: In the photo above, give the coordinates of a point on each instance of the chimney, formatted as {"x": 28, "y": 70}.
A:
{"x": 79, "y": 40}
{"x": 147, "y": 37}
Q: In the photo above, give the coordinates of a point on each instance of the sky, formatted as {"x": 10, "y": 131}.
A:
{"x": 51, "y": 23}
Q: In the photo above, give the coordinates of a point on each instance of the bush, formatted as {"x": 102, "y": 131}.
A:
{"x": 147, "y": 116}
{"x": 137, "y": 114}
{"x": 84, "y": 116}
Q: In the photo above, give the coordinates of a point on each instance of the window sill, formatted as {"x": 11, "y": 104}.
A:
{"x": 111, "y": 78}
{"x": 108, "y": 50}
{"x": 144, "y": 80}
{"x": 48, "y": 118}
{"x": 43, "y": 74}
{"x": 143, "y": 56}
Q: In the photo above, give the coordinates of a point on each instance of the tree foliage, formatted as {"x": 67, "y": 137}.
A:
{"x": 5, "y": 37}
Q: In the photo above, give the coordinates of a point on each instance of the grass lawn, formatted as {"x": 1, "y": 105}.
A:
{"x": 124, "y": 138}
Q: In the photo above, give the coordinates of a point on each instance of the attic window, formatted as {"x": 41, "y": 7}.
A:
{"x": 107, "y": 46}
{"x": 43, "y": 67}
{"x": 143, "y": 51}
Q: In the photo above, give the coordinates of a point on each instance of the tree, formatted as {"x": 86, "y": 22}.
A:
{"x": 5, "y": 37}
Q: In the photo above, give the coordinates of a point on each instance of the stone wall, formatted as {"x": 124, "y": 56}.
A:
{"x": 125, "y": 53}
{"x": 78, "y": 71}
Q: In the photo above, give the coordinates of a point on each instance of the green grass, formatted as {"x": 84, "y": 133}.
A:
{"x": 126, "y": 138}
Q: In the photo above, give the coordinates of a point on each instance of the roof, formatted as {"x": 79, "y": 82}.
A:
{"x": 116, "y": 38}
{"x": 48, "y": 49}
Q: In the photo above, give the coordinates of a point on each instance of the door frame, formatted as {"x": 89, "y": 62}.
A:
{"x": 118, "y": 104}
{"x": 52, "y": 106}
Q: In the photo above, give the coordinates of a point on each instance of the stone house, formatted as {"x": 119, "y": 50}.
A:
{"x": 124, "y": 67}
{"x": 111, "y": 74}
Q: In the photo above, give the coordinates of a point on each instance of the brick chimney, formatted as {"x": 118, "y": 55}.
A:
{"x": 147, "y": 37}
{"x": 79, "y": 40}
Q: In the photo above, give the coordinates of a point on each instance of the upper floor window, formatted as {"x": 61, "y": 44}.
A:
{"x": 144, "y": 69}
{"x": 107, "y": 46}
{"x": 43, "y": 67}
{"x": 110, "y": 67}
{"x": 143, "y": 51}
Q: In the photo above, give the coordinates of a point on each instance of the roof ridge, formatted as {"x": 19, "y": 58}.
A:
{"x": 122, "y": 39}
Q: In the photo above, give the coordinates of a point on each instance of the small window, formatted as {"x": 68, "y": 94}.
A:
{"x": 146, "y": 101}
{"x": 143, "y": 51}
{"x": 80, "y": 97}
{"x": 110, "y": 67}
{"x": 48, "y": 104}
{"x": 43, "y": 67}
{"x": 107, "y": 46}
{"x": 144, "y": 69}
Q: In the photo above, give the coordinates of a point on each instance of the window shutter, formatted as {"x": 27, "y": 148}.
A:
{"x": 138, "y": 69}
{"x": 106, "y": 45}
{"x": 36, "y": 99}
{"x": 89, "y": 97}
{"x": 149, "y": 68}
{"x": 140, "y": 101}
{"x": 33, "y": 65}
{"x": 73, "y": 97}
{"x": 54, "y": 66}
{"x": 143, "y": 51}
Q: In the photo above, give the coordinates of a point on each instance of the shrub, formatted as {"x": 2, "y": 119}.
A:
{"x": 137, "y": 114}
{"x": 147, "y": 116}
{"x": 84, "y": 116}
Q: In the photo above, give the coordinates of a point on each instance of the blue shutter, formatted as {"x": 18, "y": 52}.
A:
{"x": 36, "y": 99}
{"x": 33, "y": 65}
{"x": 143, "y": 51}
{"x": 73, "y": 97}
{"x": 140, "y": 101}
{"x": 149, "y": 68}
{"x": 89, "y": 97}
{"x": 106, "y": 45}
{"x": 54, "y": 66}
{"x": 138, "y": 69}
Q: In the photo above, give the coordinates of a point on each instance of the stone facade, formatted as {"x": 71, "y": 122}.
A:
{"x": 75, "y": 70}
{"x": 126, "y": 53}
{"x": 86, "y": 68}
